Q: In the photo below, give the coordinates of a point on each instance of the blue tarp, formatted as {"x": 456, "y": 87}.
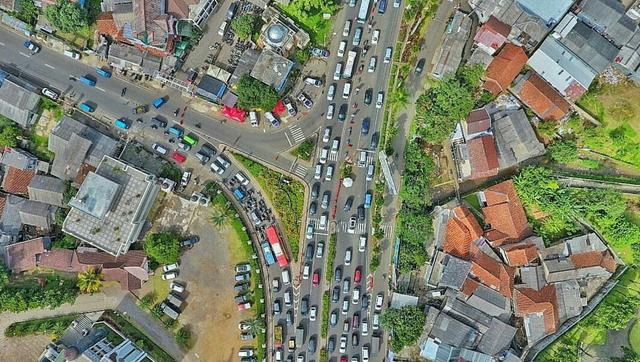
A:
{"x": 238, "y": 194}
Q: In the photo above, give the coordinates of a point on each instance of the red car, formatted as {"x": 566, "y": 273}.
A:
{"x": 357, "y": 276}
{"x": 343, "y": 359}
{"x": 178, "y": 157}
{"x": 316, "y": 278}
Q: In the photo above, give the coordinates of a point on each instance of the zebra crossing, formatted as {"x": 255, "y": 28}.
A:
{"x": 296, "y": 133}
{"x": 300, "y": 170}
{"x": 360, "y": 227}
{"x": 388, "y": 230}
{"x": 333, "y": 156}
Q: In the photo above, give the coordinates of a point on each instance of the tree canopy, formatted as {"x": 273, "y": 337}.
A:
{"x": 564, "y": 151}
{"x": 4, "y": 275}
{"x": 66, "y": 15}
{"x": 244, "y": 25}
{"x": 406, "y": 324}
{"x": 163, "y": 247}
{"x": 9, "y": 133}
{"x": 253, "y": 94}
{"x": 89, "y": 281}
{"x": 28, "y": 11}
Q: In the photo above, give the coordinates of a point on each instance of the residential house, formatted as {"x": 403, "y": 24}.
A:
{"x": 522, "y": 253}
{"x": 19, "y": 100}
{"x": 449, "y": 330}
{"x": 504, "y": 68}
{"x": 246, "y": 63}
{"x": 20, "y": 167}
{"x": 47, "y": 189}
{"x": 449, "y": 56}
{"x": 483, "y": 157}
{"x": 492, "y": 35}
{"x": 87, "y": 339}
{"x": 490, "y": 272}
{"x": 38, "y": 214}
{"x": 462, "y": 232}
{"x": 516, "y": 139}
{"x": 478, "y": 123}
{"x": 272, "y": 69}
{"x": 211, "y": 88}
{"x": 79, "y": 149}
{"x": 546, "y": 102}
{"x": 437, "y": 351}
{"x": 489, "y": 301}
{"x": 504, "y": 215}
{"x": 609, "y": 18}
{"x": 549, "y": 11}
{"x": 399, "y": 300}
{"x": 10, "y": 223}
{"x": 9, "y": 5}
{"x": 137, "y": 60}
{"x": 539, "y": 311}
{"x": 129, "y": 269}
{"x": 111, "y": 206}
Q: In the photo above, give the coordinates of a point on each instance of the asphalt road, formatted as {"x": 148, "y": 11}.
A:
{"x": 52, "y": 69}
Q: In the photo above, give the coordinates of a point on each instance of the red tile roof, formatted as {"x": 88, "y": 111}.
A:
{"x": 504, "y": 68}
{"x": 462, "y": 230}
{"x": 21, "y": 256}
{"x": 483, "y": 157}
{"x": 504, "y": 214}
{"x": 528, "y": 301}
{"x": 469, "y": 286}
{"x": 492, "y": 273}
{"x": 594, "y": 258}
{"x": 478, "y": 121}
{"x": 16, "y": 181}
{"x": 493, "y": 33}
{"x": 107, "y": 25}
{"x": 3, "y": 202}
{"x": 521, "y": 254}
{"x": 542, "y": 98}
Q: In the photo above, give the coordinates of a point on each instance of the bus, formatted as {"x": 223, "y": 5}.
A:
{"x": 268, "y": 255}
{"x": 88, "y": 81}
{"x": 190, "y": 139}
{"x": 274, "y": 240}
{"x": 103, "y": 73}
{"x": 364, "y": 11}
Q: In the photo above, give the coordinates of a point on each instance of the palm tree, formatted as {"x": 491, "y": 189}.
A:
{"x": 218, "y": 218}
{"x": 256, "y": 325}
{"x": 90, "y": 281}
{"x": 399, "y": 97}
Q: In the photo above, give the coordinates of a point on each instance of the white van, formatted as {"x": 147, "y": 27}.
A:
{"x": 372, "y": 64}
{"x": 362, "y": 159}
{"x": 370, "y": 171}
{"x": 336, "y": 75}
{"x": 329, "y": 174}
{"x": 286, "y": 277}
{"x": 244, "y": 181}
{"x": 335, "y": 145}
{"x": 363, "y": 243}
{"x": 324, "y": 153}
{"x": 159, "y": 149}
{"x": 223, "y": 28}
{"x": 245, "y": 352}
{"x": 342, "y": 48}
{"x": 254, "y": 119}
{"x": 306, "y": 271}
{"x": 346, "y": 90}
{"x": 72, "y": 54}
{"x": 322, "y": 224}
{"x": 287, "y": 298}
{"x": 365, "y": 353}
{"x": 347, "y": 28}
{"x": 216, "y": 168}
{"x": 387, "y": 55}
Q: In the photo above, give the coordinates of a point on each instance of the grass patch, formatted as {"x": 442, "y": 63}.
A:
{"x": 319, "y": 29}
{"x": 331, "y": 255}
{"x": 54, "y": 326}
{"x": 325, "y": 314}
{"x": 634, "y": 337}
{"x": 38, "y": 147}
{"x": 286, "y": 197}
{"x": 129, "y": 329}
{"x": 305, "y": 149}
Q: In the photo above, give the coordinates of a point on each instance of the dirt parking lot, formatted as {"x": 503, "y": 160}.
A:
{"x": 207, "y": 271}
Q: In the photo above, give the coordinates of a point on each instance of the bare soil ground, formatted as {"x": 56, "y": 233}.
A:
{"x": 28, "y": 348}
{"x": 207, "y": 271}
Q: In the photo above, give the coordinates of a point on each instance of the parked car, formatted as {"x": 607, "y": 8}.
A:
{"x": 186, "y": 177}
{"x": 313, "y": 81}
{"x": 321, "y": 53}
{"x": 50, "y": 94}
{"x": 190, "y": 242}
{"x": 305, "y": 100}
{"x": 243, "y": 268}
{"x": 170, "y": 267}
{"x": 176, "y": 287}
{"x": 169, "y": 276}
{"x": 291, "y": 109}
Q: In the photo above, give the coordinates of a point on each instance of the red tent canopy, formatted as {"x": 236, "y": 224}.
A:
{"x": 236, "y": 114}
{"x": 279, "y": 108}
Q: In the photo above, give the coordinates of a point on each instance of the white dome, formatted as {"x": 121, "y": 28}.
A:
{"x": 276, "y": 33}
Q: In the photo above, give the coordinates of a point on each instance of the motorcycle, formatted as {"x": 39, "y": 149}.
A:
{"x": 175, "y": 113}
{"x": 123, "y": 92}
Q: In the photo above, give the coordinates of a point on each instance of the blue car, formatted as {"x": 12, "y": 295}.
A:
{"x": 382, "y": 6}
{"x": 158, "y": 102}
{"x": 365, "y": 126}
{"x": 32, "y": 46}
{"x": 122, "y": 123}
{"x": 85, "y": 107}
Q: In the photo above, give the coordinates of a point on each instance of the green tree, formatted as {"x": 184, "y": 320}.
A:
{"x": 564, "y": 151}
{"x": 149, "y": 300}
{"x": 548, "y": 128}
{"x": 9, "y": 134}
{"x": 65, "y": 242}
{"x": 253, "y": 94}
{"x": 406, "y": 324}
{"x": 90, "y": 281}
{"x": 305, "y": 149}
{"x": 218, "y": 218}
{"x": 184, "y": 338}
{"x": 28, "y": 11}
{"x": 163, "y": 247}
{"x": 4, "y": 275}
{"x": 244, "y": 25}
{"x": 66, "y": 15}
{"x": 399, "y": 97}
{"x": 470, "y": 75}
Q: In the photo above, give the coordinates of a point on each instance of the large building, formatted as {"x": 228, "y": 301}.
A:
{"x": 18, "y": 100}
{"x": 111, "y": 206}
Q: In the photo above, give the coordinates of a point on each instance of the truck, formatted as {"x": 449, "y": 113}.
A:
{"x": 278, "y": 335}
{"x": 351, "y": 59}
{"x": 268, "y": 255}
{"x": 158, "y": 102}
{"x": 105, "y": 73}
{"x": 299, "y": 335}
{"x": 375, "y": 345}
{"x": 363, "y": 13}
{"x": 88, "y": 81}
{"x": 122, "y": 123}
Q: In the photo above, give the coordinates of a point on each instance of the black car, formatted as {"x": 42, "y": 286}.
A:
{"x": 360, "y": 213}
{"x": 277, "y": 307}
{"x": 420, "y": 66}
{"x": 337, "y": 276}
{"x": 368, "y": 96}
{"x": 335, "y": 294}
{"x": 348, "y": 204}
{"x": 331, "y": 345}
{"x": 366, "y": 123}
{"x": 289, "y": 317}
{"x": 313, "y": 207}
{"x": 365, "y": 301}
{"x": 342, "y": 112}
{"x": 189, "y": 243}
{"x": 308, "y": 254}
{"x": 241, "y": 287}
{"x": 374, "y": 141}
{"x": 311, "y": 347}
{"x": 315, "y": 190}
{"x": 304, "y": 305}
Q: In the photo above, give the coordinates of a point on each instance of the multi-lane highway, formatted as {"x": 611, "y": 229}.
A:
{"x": 52, "y": 69}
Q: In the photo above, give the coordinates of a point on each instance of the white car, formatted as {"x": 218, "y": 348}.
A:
{"x": 318, "y": 172}
{"x": 341, "y": 48}
{"x": 169, "y": 276}
{"x": 313, "y": 81}
{"x": 273, "y": 120}
{"x": 375, "y": 37}
{"x": 343, "y": 344}
{"x": 313, "y": 312}
{"x": 387, "y": 55}
{"x": 176, "y": 287}
{"x": 338, "y": 73}
{"x": 396, "y": 3}
{"x": 170, "y": 267}
{"x": 351, "y": 228}
{"x": 49, "y": 93}
{"x": 324, "y": 153}
{"x": 347, "y": 256}
{"x": 72, "y": 54}
{"x": 380, "y": 99}
{"x": 335, "y": 145}
{"x": 331, "y": 92}
{"x": 186, "y": 176}
{"x": 330, "y": 110}
{"x": 326, "y": 135}
{"x": 347, "y": 28}
{"x": 372, "y": 64}
{"x": 309, "y": 233}
{"x": 379, "y": 301}
{"x": 253, "y": 117}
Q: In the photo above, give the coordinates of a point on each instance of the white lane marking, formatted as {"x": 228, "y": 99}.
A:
{"x": 100, "y": 89}
{"x": 288, "y": 140}
{"x": 300, "y": 171}
{"x": 24, "y": 54}
{"x": 49, "y": 66}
